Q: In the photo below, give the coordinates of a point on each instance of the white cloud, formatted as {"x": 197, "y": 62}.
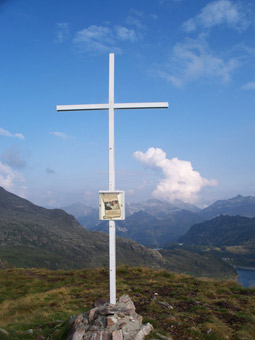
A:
{"x": 193, "y": 60}
{"x": 103, "y": 39}
{"x": 154, "y": 16}
{"x": 13, "y": 157}
{"x": 136, "y": 12}
{"x": 61, "y": 135}
{"x": 134, "y": 21}
{"x": 63, "y": 32}
{"x": 130, "y": 192}
{"x": 94, "y": 33}
{"x": 216, "y": 13}
{"x": 169, "y": 1}
{"x": 10, "y": 179}
{"x": 125, "y": 33}
{"x": 249, "y": 86}
{"x": 7, "y": 133}
{"x": 98, "y": 39}
{"x": 180, "y": 181}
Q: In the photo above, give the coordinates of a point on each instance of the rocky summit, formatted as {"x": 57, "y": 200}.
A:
{"x": 109, "y": 322}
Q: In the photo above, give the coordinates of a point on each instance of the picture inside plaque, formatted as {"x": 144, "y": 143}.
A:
{"x": 112, "y": 206}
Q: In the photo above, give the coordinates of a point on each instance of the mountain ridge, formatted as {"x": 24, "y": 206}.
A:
{"x": 41, "y": 238}
{"x": 152, "y": 231}
{"x": 31, "y": 235}
{"x": 238, "y": 205}
{"x": 156, "y": 223}
{"x": 223, "y": 230}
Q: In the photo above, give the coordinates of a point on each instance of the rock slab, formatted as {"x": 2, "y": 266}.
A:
{"x": 109, "y": 322}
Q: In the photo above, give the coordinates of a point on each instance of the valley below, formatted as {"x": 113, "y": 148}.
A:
{"x": 33, "y": 236}
{"x": 52, "y": 267}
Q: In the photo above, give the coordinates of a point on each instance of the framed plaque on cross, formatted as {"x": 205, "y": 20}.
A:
{"x": 111, "y": 106}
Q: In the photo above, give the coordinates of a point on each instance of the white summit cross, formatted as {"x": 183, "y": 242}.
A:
{"x": 111, "y": 106}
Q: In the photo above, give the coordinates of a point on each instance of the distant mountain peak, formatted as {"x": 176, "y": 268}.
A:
{"x": 239, "y": 205}
{"x": 33, "y": 236}
{"x": 222, "y": 230}
{"x": 239, "y": 196}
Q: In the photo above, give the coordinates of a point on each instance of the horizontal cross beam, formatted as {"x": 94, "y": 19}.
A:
{"x": 116, "y": 106}
{"x": 111, "y": 106}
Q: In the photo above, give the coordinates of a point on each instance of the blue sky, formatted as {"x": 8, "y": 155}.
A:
{"x": 197, "y": 55}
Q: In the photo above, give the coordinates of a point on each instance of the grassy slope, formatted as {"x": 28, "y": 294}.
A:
{"x": 32, "y": 236}
{"x": 240, "y": 256}
{"x": 43, "y": 300}
{"x": 191, "y": 261}
{"x": 196, "y": 262}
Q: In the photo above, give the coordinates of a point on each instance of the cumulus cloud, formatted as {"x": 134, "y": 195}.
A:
{"x": 13, "y": 157}
{"x": 249, "y": 86}
{"x": 216, "y": 13}
{"x": 61, "y": 135}
{"x": 63, "y": 32}
{"x": 192, "y": 60}
{"x": 7, "y": 133}
{"x": 10, "y": 179}
{"x": 180, "y": 181}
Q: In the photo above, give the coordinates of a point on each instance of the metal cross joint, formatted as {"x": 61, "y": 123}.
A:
{"x": 111, "y": 107}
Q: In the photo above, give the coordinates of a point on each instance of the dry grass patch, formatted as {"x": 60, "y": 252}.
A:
{"x": 179, "y": 306}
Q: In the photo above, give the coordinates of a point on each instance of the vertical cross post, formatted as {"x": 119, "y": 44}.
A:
{"x": 112, "y": 233}
{"x": 111, "y": 107}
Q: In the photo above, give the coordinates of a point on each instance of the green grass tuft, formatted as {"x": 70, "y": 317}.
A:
{"x": 178, "y": 306}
